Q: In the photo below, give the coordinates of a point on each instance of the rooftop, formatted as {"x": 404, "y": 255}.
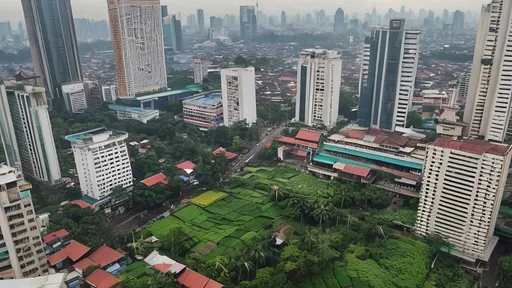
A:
{"x": 84, "y": 264}
{"x": 102, "y": 279}
{"x": 186, "y": 165}
{"x": 308, "y": 135}
{"x": 105, "y": 256}
{"x": 136, "y": 110}
{"x": 193, "y": 87}
{"x": 191, "y": 278}
{"x": 474, "y": 146}
{"x": 49, "y": 281}
{"x": 155, "y": 179}
{"x": 207, "y": 99}
{"x": 74, "y": 251}
{"x": 82, "y": 204}
{"x": 228, "y": 154}
{"x": 294, "y": 141}
{"x": 93, "y": 136}
{"x": 55, "y": 235}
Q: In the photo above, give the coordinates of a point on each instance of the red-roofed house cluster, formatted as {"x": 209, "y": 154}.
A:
{"x": 64, "y": 254}
{"x": 297, "y": 148}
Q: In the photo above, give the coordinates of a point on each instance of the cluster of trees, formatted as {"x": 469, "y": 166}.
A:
{"x": 276, "y": 112}
{"x": 415, "y": 120}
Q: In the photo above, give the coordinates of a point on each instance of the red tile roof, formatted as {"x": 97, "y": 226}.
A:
{"x": 84, "y": 264}
{"x": 228, "y": 154}
{"x": 55, "y": 235}
{"x": 213, "y": 284}
{"x": 308, "y": 135}
{"x": 473, "y": 146}
{"x": 269, "y": 143}
{"x": 82, "y": 204}
{"x": 164, "y": 267}
{"x": 155, "y": 179}
{"x": 294, "y": 141}
{"x": 300, "y": 153}
{"x": 74, "y": 251}
{"x": 192, "y": 279}
{"x": 186, "y": 165}
{"x": 102, "y": 279}
{"x": 356, "y": 134}
{"x": 359, "y": 171}
{"x": 105, "y": 256}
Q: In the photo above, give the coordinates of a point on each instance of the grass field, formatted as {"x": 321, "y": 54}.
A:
{"x": 208, "y": 198}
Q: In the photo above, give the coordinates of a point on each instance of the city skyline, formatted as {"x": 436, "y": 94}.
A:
{"x": 97, "y": 9}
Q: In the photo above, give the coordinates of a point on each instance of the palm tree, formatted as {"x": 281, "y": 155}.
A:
{"x": 322, "y": 210}
{"x": 310, "y": 238}
{"x": 256, "y": 252}
{"x": 275, "y": 189}
{"x": 220, "y": 265}
{"x": 240, "y": 266}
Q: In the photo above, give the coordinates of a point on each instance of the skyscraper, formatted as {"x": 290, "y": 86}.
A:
{"x": 339, "y": 21}
{"x": 489, "y": 97}
{"x": 388, "y": 73}
{"x": 320, "y": 18}
{"x": 21, "y": 31}
{"x": 176, "y": 34}
{"x": 458, "y": 21}
{"x": 136, "y": 28}
{"x": 22, "y": 253}
{"x": 461, "y": 192}
{"x": 53, "y": 43}
{"x": 191, "y": 21}
{"x": 164, "y": 10}
{"x": 102, "y": 161}
{"x": 238, "y": 95}
{"x": 248, "y": 24}
{"x": 200, "y": 20}
{"x": 283, "y": 19}
{"x": 318, "y": 89}
{"x": 74, "y": 97}
{"x": 446, "y": 16}
{"x": 200, "y": 69}
{"x": 33, "y": 137}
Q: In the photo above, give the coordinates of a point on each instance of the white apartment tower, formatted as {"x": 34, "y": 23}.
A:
{"x": 200, "y": 69}
{"x": 489, "y": 96}
{"x": 238, "y": 95}
{"x": 102, "y": 161}
{"x": 136, "y": 28}
{"x": 74, "y": 97}
{"x": 318, "y": 87}
{"x": 109, "y": 93}
{"x": 388, "y": 73}
{"x": 21, "y": 250}
{"x": 463, "y": 183}
{"x": 31, "y": 135}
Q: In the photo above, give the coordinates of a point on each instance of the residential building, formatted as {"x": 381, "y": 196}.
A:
{"x": 48, "y": 281}
{"x": 462, "y": 188}
{"x": 7, "y": 134}
{"x": 22, "y": 252}
{"x": 74, "y": 97}
{"x": 238, "y": 95}
{"x": 33, "y": 134}
{"x": 463, "y": 86}
{"x": 458, "y": 21}
{"x": 248, "y": 22}
{"x": 489, "y": 97}
{"x": 205, "y": 111}
{"x": 53, "y": 43}
{"x": 318, "y": 89}
{"x": 135, "y": 113}
{"x": 448, "y": 123}
{"x": 339, "y": 21}
{"x": 109, "y": 93}
{"x": 200, "y": 69}
{"x": 136, "y": 28}
{"x": 200, "y": 19}
{"x": 93, "y": 93}
{"x": 102, "y": 161}
{"x": 387, "y": 78}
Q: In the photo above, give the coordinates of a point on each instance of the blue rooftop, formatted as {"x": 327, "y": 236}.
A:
{"x": 208, "y": 99}
{"x": 131, "y": 109}
{"x": 193, "y": 87}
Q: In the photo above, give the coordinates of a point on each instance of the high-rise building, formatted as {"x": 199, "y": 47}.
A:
{"x": 89, "y": 30}
{"x": 320, "y": 18}
{"x": 458, "y": 21}
{"x": 136, "y": 28}
{"x": 191, "y": 21}
{"x": 164, "y": 11}
{"x": 172, "y": 33}
{"x": 22, "y": 254}
{"x": 238, "y": 95}
{"x": 318, "y": 89}
{"x": 21, "y": 31}
{"x": 7, "y": 135}
{"x": 339, "y": 21}
{"x": 93, "y": 93}
{"x": 33, "y": 134}
{"x": 200, "y": 69}
{"x": 248, "y": 23}
{"x": 446, "y": 16}
{"x": 200, "y": 20}
{"x": 283, "y": 19}
{"x": 53, "y": 43}
{"x": 461, "y": 192}
{"x": 74, "y": 97}
{"x": 489, "y": 98}
{"x": 298, "y": 19}
{"x": 463, "y": 86}
{"x": 102, "y": 161}
{"x": 109, "y": 93}
{"x": 388, "y": 73}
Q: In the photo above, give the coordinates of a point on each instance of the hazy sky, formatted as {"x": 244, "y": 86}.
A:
{"x": 10, "y": 10}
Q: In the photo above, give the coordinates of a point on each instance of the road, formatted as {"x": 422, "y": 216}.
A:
{"x": 258, "y": 149}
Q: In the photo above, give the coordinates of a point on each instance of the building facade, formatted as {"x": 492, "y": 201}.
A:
{"x": 238, "y": 95}
{"x": 32, "y": 129}
{"x": 387, "y": 78}
{"x": 463, "y": 183}
{"x": 74, "y": 97}
{"x": 200, "y": 69}
{"x": 53, "y": 43}
{"x": 204, "y": 111}
{"x": 463, "y": 86}
{"x": 109, "y": 93}
{"x": 458, "y": 21}
{"x": 172, "y": 33}
{"x": 339, "y": 21}
{"x": 200, "y": 20}
{"x": 136, "y": 29}
{"x": 102, "y": 161}
{"x": 248, "y": 22}
{"x": 22, "y": 252}
{"x": 489, "y": 97}
{"x": 318, "y": 89}
{"x": 7, "y": 135}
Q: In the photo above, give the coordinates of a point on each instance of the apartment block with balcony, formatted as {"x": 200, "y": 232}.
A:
{"x": 238, "y": 95}
{"x": 462, "y": 188}
{"x": 205, "y": 111}
{"x": 21, "y": 249}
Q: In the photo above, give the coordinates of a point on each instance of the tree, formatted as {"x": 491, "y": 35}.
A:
{"x": 322, "y": 210}
{"x": 256, "y": 252}
{"x": 414, "y": 119}
{"x": 242, "y": 62}
{"x": 268, "y": 278}
{"x": 240, "y": 268}
{"x": 297, "y": 263}
{"x": 238, "y": 145}
{"x": 154, "y": 196}
{"x": 176, "y": 241}
{"x": 505, "y": 272}
{"x": 174, "y": 107}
